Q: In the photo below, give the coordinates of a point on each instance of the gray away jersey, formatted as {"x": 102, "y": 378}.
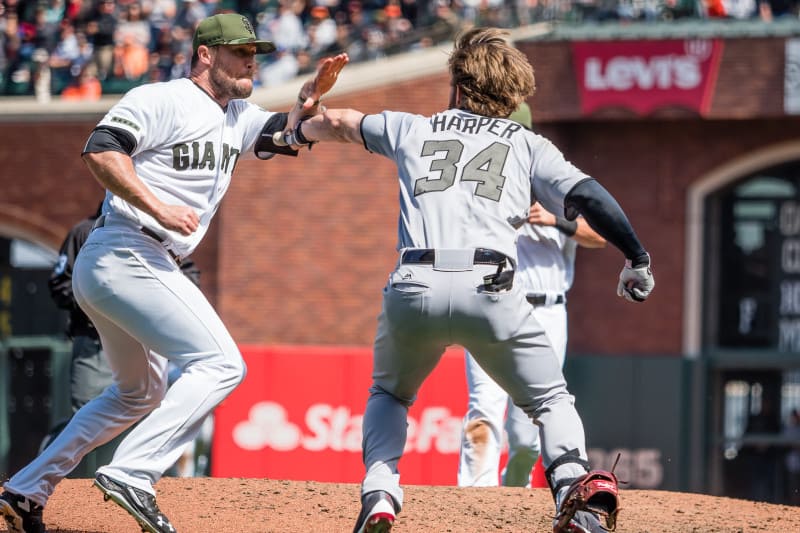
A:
{"x": 463, "y": 176}
{"x": 186, "y": 149}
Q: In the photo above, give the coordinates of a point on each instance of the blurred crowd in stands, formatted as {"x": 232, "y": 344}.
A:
{"x": 81, "y": 49}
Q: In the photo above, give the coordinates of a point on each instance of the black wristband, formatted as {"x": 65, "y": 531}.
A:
{"x": 567, "y": 227}
{"x": 298, "y": 133}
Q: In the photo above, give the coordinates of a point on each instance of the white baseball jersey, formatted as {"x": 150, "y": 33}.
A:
{"x": 546, "y": 259}
{"x": 186, "y": 149}
{"x": 463, "y": 176}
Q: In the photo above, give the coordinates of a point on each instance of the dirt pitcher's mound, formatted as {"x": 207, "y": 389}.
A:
{"x": 205, "y": 505}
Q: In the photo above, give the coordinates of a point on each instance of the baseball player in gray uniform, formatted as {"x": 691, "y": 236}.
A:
{"x": 464, "y": 174}
{"x": 165, "y": 154}
{"x": 546, "y": 247}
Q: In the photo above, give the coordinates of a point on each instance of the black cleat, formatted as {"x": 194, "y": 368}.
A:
{"x": 140, "y": 504}
{"x": 22, "y": 514}
{"x": 377, "y": 513}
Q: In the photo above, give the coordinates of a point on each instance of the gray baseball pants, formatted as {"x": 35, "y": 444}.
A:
{"x": 427, "y": 308}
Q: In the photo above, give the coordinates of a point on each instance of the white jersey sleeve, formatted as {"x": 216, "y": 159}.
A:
{"x": 251, "y": 120}
{"x": 463, "y": 177}
{"x": 143, "y": 113}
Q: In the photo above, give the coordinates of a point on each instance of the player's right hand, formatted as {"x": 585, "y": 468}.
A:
{"x": 180, "y": 218}
{"x": 636, "y": 281}
{"x": 328, "y": 70}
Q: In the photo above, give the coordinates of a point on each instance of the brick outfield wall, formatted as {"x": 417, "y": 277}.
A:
{"x": 301, "y": 248}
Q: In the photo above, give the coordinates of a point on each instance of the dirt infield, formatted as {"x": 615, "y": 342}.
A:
{"x": 204, "y": 505}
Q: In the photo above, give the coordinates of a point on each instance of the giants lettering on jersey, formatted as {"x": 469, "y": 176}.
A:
{"x": 474, "y": 125}
{"x": 193, "y": 156}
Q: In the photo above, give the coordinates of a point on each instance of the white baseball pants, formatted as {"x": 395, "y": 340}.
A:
{"x": 147, "y": 312}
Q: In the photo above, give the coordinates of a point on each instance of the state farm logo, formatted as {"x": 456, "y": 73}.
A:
{"x": 326, "y": 427}
{"x": 649, "y": 71}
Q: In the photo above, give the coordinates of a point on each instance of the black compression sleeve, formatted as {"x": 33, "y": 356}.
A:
{"x": 265, "y": 147}
{"x": 606, "y": 217}
{"x": 106, "y": 139}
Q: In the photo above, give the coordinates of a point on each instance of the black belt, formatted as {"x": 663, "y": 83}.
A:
{"x": 101, "y": 221}
{"x": 483, "y": 256}
{"x": 541, "y": 299}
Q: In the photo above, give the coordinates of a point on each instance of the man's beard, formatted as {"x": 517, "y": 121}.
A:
{"x": 225, "y": 84}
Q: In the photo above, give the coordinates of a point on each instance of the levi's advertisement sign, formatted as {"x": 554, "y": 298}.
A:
{"x": 297, "y": 416}
{"x": 645, "y": 75}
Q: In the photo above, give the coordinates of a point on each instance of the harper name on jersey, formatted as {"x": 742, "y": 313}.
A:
{"x": 474, "y": 125}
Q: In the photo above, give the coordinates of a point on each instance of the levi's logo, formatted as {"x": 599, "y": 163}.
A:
{"x": 645, "y": 75}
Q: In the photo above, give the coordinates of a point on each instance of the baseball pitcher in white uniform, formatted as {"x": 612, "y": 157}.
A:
{"x": 546, "y": 247}
{"x": 165, "y": 154}
{"x": 464, "y": 175}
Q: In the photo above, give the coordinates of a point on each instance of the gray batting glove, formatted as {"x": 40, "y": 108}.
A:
{"x": 636, "y": 280}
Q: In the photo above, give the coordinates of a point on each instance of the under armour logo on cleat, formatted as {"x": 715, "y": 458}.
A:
{"x": 161, "y": 522}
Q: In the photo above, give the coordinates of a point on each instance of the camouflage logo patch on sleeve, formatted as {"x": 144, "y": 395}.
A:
{"x": 126, "y": 122}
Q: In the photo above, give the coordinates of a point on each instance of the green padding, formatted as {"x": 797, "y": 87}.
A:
{"x": 633, "y": 404}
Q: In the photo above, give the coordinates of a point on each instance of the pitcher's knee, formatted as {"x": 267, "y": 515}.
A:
{"x": 230, "y": 372}
{"x": 478, "y": 432}
{"x": 240, "y": 371}
{"x": 139, "y": 402}
{"x": 157, "y": 391}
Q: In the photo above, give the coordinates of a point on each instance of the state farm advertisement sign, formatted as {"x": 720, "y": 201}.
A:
{"x": 646, "y": 75}
{"x": 297, "y": 415}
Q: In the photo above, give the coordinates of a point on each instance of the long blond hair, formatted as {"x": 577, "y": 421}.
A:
{"x": 493, "y": 76}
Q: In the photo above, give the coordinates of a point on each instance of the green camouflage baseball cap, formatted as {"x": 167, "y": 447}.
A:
{"x": 229, "y": 28}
